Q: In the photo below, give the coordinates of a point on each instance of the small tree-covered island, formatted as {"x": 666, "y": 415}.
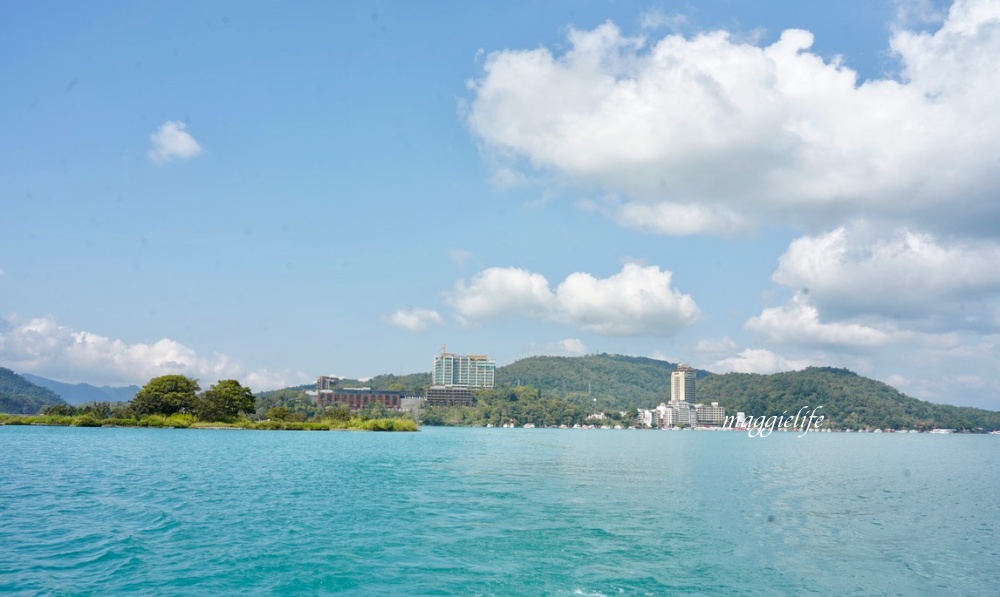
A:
{"x": 176, "y": 401}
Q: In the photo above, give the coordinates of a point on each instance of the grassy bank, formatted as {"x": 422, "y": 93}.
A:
{"x": 190, "y": 422}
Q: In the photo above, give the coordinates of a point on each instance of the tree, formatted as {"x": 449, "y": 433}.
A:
{"x": 166, "y": 395}
{"x": 278, "y": 413}
{"x": 224, "y": 400}
{"x": 337, "y": 412}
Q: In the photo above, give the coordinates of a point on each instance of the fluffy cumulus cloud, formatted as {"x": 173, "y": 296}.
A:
{"x": 414, "y": 319}
{"x": 905, "y": 275}
{"x": 636, "y": 301}
{"x": 44, "y": 347}
{"x": 172, "y": 142}
{"x": 500, "y": 292}
{"x": 758, "y": 360}
{"x": 712, "y": 133}
{"x": 798, "y": 322}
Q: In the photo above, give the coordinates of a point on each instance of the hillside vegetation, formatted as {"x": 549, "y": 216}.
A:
{"x": 614, "y": 381}
{"x": 20, "y": 396}
{"x": 849, "y": 400}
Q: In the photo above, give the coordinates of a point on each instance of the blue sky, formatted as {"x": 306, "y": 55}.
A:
{"x": 274, "y": 191}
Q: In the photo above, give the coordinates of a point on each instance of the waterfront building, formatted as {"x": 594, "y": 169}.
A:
{"x": 463, "y": 371}
{"x": 682, "y": 384}
{"x": 359, "y": 398}
{"x": 412, "y": 404}
{"x": 448, "y": 396}
{"x": 684, "y": 413}
{"x": 326, "y": 382}
{"x": 649, "y": 417}
{"x": 710, "y": 414}
{"x": 665, "y": 415}
{"x": 455, "y": 376}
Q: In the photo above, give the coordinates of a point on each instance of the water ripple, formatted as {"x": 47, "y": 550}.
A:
{"x": 495, "y": 512}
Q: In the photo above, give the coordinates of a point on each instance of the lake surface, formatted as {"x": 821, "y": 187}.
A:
{"x": 496, "y": 512}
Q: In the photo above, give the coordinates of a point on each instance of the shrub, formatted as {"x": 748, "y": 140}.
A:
{"x": 180, "y": 421}
{"x": 86, "y": 421}
{"x": 50, "y": 420}
{"x": 121, "y": 422}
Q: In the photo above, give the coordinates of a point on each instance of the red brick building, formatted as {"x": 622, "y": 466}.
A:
{"x": 359, "y": 398}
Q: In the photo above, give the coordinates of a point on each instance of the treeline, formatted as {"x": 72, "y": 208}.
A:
{"x": 178, "y": 401}
{"x": 519, "y": 406}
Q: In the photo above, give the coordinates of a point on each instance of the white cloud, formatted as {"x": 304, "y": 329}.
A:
{"x": 798, "y": 322}
{"x": 569, "y": 347}
{"x": 414, "y": 319}
{"x": 898, "y": 381}
{"x": 758, "y": 360}
{"x": 636, "y": 301}
{"x": 657, "y": 19}
{"x": 715, "y": 347}
{"x": 505, "y": 178}
{"x": 459, "y": 256}
{"x": 171, "y": 142}
{"x": 500, "y": 292}
{"x": 917, "y": 11}
{"x": 969, "y": 380}
{"x": 908, "y": 274}
{"x": 44, "y": 347}
{"x": 659, "y": 355}
{"x": 678, "y": 219}
{"x": 727, "y": 133}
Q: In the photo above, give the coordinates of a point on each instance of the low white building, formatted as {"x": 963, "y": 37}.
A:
{"x": 710, "y": 414}
{"x": 649, "y": 417}
{"x": 666, "y": 416}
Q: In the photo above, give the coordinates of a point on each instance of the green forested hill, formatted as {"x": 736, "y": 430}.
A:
{"x": 848, "y": 399}
{"x": 616, "y": 381}
{"x": 20, "y": 396}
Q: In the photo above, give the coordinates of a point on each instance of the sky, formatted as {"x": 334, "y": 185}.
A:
{"x": 275, "y": 191}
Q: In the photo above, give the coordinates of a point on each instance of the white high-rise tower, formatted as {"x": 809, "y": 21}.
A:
{"x": 682, "y": 384}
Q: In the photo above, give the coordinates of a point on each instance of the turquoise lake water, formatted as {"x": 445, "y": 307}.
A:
{"x": 496, "y": 512}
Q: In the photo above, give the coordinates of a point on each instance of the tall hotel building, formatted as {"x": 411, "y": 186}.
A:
{"x": 454, "y": 376}
{"x": 682, "y": 384}
{"x": 467, "y": 371}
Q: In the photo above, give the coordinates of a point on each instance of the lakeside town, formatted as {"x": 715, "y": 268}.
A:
{"x": 456, "y": 378}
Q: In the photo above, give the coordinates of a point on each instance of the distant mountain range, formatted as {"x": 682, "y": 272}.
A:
{"x": 27, "y": 394}
{"x": 81, "y": 393}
